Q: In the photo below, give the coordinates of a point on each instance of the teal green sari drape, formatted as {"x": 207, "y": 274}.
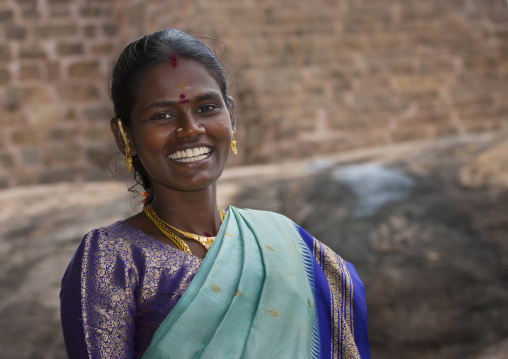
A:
{"x": 254, "y": 296}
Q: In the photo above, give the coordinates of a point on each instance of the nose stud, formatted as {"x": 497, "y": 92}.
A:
{"x": 179, "y": 129}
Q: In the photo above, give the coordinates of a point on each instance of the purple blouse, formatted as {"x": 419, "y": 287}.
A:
{"x": 119, "y": 287}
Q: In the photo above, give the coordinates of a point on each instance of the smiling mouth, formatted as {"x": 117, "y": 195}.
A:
{"x": 191, "y": 154}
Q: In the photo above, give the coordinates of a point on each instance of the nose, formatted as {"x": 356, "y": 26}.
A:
{"x": 189, "y": 126}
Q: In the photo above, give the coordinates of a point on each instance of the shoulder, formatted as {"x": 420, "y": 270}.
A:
{"x": 120, "y": 243}
{"x": 110, "y": 238}
{"x": 261, "y": 215}
{"x": 115, "y": 231}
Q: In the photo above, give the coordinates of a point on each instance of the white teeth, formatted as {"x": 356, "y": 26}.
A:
{"x": 191, "y": 154}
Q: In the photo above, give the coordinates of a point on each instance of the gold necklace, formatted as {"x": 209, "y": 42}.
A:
{"x": 180, "y": 244}
{"x": 163, "y": 226}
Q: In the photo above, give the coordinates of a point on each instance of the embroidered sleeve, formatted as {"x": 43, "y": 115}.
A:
{"x": 98, "y": 306}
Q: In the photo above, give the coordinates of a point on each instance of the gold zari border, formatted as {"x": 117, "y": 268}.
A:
{"x": 341, "y": 298}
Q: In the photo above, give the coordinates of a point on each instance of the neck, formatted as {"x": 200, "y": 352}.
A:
{"x": 194, "y": 212}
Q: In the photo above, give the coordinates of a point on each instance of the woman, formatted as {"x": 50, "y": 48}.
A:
{"x": 153, "y": 286}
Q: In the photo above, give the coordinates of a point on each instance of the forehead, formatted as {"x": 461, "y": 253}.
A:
{"x": 166, "y": 80}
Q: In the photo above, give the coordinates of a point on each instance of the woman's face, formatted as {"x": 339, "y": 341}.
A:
{"x": 181, "y": 127}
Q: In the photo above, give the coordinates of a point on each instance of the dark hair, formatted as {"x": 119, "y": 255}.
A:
{"x": 167, "y": 45}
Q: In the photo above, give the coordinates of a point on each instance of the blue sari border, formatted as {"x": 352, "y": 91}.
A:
{"x": 340, "y": 303}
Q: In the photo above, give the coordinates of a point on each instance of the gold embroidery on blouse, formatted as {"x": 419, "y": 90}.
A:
{"x": 109, "y": 307}
{"x": 215, "y": 288}
{"x": 270, "y": 248}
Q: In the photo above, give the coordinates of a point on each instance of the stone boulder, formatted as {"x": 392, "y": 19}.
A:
{"x": 424, "y": 223}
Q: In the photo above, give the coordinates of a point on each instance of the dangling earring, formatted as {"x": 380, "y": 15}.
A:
{"x": 128, "y": 158}
{"x": 233, "y": 143}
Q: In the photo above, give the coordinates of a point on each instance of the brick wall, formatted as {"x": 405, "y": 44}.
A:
{"x": 55, "y": 59}
{"x": 309, "y": 77}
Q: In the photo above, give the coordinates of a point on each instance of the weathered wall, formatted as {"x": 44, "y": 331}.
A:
{"x": 319, "y": 77}
{"x": 55, "y": 59}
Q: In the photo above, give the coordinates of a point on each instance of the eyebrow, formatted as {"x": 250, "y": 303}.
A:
{"x": 203, "y": 97}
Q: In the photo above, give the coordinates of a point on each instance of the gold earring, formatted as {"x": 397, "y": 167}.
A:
{"x": 128, "y": 158}
{"x": 233, "y": 143}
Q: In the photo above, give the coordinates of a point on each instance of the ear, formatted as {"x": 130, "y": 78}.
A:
{"x": 232, "y": 113}
{"x": 120, "y": 142}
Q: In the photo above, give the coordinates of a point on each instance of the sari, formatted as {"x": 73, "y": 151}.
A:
{"x": 266, "y": 289}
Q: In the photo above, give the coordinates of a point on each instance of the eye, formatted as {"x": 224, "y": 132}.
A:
{"x": 162, "y": 116}
{"x": 206, "y": 108}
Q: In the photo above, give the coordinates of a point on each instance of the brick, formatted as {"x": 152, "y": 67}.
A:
{"x": 15, "y": 32}
{"x": 85, "y": 70}
{"x": 34, "y": 94}
{"x": 58, "y": 175}
{"x": 24, "y": 178}
{"x": 5, "y": 77}
{"x": 6, "y": 16}
{"x": 5, "y": 53}
{"x": 31, "y": 156}
{"x": 64, "y": 154}
{"x": 354, "y": 42}
{"x": 136, "y": 15}
{"x": 412, "y": 133}
{"x": 6, "y": 160}
{"x": 101, "y": 113}
{"x": 32, "y": 51}
{"x": 110, "y": 29}
{"x": 42, "y": 114}
{"x": 98, "y": 133}
{"x": 423, "y": 82}
{"x": 30, "y": 13}
{"x": 373, "y": 63}
{"x": 446, "y": 129}
{"x": 10, "y": 118}
{"x": 12, "y": 99}
{"x": 78, "y": 93}
{"x": 4, "y": 183}
{"x": 61, "y": 134}
{"x": 24, "y": 136}
{"x": 70, "y": 114}
{"x": 53, "y": 71}
{"x": 484, "y": 63}
{"x": 478, "y": 124}
{"x": 102, "y": 49}
{"x": 52, "y": 31}
{"x": 29, "y": 72}
{"x": 98, "y": 156}
{"x": 28, "y": 3}
{"x": 90, "y": 31}
{"x": 59, "y": 12}
{"x": 88, "y": 11}
{"x": 66, "y": 49}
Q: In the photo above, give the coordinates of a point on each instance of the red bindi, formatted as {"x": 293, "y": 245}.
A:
{"x": 173, "y": 60}
{"x": 182, "y": 95}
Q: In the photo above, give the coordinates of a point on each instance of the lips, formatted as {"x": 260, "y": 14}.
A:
{"x": 191, "y": 154}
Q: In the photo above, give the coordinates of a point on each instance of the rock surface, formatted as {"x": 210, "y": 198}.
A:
{"x": 431, "y": 246}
